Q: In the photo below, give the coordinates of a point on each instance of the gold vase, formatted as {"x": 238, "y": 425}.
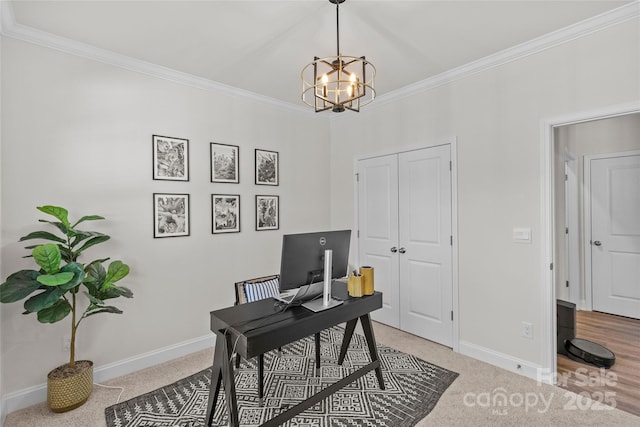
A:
{"x": 367, "y": 280}
{"x": 69, "y": 392}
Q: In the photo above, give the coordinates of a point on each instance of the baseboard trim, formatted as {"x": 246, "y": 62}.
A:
{"x": 37, "y": 394}
{"x": 505, "y": 361}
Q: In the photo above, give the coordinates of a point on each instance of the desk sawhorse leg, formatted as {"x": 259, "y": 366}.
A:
{"x": 365, "y": 321}
{"x": 222, "y": 371}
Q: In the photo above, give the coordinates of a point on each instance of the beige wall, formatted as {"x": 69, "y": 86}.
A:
{"x": 496, "y": 117}
{"x": 78, "y": 133}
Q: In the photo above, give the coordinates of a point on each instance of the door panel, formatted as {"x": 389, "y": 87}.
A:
{"x": 378, "y": 230}
{"x": 426, "y": 281}
{"x": 424, "y": 293}
{"x": 404, "y": 202}
{"x": 615, "y": 235}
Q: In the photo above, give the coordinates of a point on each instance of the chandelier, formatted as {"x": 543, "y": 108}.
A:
{"x": 338, "y": 82}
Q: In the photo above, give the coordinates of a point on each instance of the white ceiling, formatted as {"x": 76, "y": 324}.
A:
{"x": 261, "y": 46}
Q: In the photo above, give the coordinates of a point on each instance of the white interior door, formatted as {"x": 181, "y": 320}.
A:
{"x": 378, "y": 231}
{"x": 425, "y": 252}
{"x": 615, "y": 235}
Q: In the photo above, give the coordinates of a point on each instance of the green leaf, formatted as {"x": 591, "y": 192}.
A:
{"x": 78, "y": 275}
{"x": 106, "y": 309}
{"x": 96, "y": 274}
{"x": 42, "y": 235}
{"x": 19, "y": 285}
{"x": 48, "y": 257}
{"x": 60, "y": 226}
{"x": 117, "y": 270}
{"x": 87, "y": 218}
{"x": 56, "y": 279}
{"x": 93, "y": 300}
{"x": 58, "y": 212}
{"x": 55, "y": 313}
{"x": 67, "y": 254}
{"x": 43, "y": 300}
{"x": 93, "y": 241}
{"x": 115, "y": 292}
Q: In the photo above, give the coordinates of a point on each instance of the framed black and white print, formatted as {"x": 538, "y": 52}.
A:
{"x": 170, "y": 215}
{"x": 225, "y": 160}
{"x": 266, "y": 167}
{"x": 225, "y": 213}
{"x": 170, "y": 158}
{"x": 267, "y": 213}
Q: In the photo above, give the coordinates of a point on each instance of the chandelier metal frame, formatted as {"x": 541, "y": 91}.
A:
{"x": 340, "y": 82}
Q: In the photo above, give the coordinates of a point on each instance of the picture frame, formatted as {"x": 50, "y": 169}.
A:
{"x": 225, "y": 163}
{"x": 267, "y": 212}
{"x": 267, "y": 167}
{"x": 170, "y": 158}
{"x": 170, "y": 215}
{"x": 225, "y": 213}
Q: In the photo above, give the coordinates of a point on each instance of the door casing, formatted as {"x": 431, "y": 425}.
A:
{"x": 549, "y": 366}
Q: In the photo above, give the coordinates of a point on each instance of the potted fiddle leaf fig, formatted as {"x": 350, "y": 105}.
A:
{"x": 62, "y": 287}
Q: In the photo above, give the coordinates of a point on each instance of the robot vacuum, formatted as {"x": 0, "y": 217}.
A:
{"x": 582, "y": 350}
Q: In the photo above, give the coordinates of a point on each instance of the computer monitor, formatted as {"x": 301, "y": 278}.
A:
{"x": 302, "y": 262}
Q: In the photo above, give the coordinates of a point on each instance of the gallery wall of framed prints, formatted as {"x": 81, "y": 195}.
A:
{"x": 171, "y": 210}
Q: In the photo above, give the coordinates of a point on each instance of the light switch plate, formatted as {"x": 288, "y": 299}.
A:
{"x": 522, "y": 235}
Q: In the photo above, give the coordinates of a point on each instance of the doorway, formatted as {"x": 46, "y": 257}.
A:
{"x": 582, "y": 135}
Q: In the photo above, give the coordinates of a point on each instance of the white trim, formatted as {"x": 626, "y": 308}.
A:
{"x": 548, "y": 324}
{"x": 10, "y": 28}
{"x": 454, "y": 244}
{"x": 504, "y": 361}
{"x": 453, "y": 144}
{"x": 572, "y": 247}
{"x": 37, "y": 394}
{"x": 547, "y": 41}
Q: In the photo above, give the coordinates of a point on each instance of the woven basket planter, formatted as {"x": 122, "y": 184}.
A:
{"x": 69, "y": 392}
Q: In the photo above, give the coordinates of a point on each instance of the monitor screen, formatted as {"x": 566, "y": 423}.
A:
{"x": 302, "y": 261}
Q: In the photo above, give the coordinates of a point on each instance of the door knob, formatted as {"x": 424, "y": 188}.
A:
{"x": 402, "y": 250}
{"x": 394, "y": 249}
{"x": 597, "y": 243}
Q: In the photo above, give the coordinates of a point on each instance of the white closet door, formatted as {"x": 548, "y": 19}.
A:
{"x": 615, "y": 235}
{"x": 425, "y": 253}
{"x": 378, "y": 231}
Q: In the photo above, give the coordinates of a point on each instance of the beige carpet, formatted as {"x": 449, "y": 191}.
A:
{"x": 467, "y": 402}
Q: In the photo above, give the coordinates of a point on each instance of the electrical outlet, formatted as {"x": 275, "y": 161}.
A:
{"x": 527, "y": 330}
{"x": 66, "y": 343}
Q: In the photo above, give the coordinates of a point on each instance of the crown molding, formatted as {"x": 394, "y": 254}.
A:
{"x": 10, "y": 28}
{"x": 547, "y": 41}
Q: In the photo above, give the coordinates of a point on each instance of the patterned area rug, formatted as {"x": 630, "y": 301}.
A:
{"x": 413, "y": 388}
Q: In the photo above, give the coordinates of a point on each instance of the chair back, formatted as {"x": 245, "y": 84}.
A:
{"x": 257, "y": 289}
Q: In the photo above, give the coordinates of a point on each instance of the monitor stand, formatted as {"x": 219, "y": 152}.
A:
{"x": 319, "y": 304}
{"x": 326, "y": 302}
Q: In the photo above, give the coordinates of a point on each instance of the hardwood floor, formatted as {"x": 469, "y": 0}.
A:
{"x": 618, "y": 385}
